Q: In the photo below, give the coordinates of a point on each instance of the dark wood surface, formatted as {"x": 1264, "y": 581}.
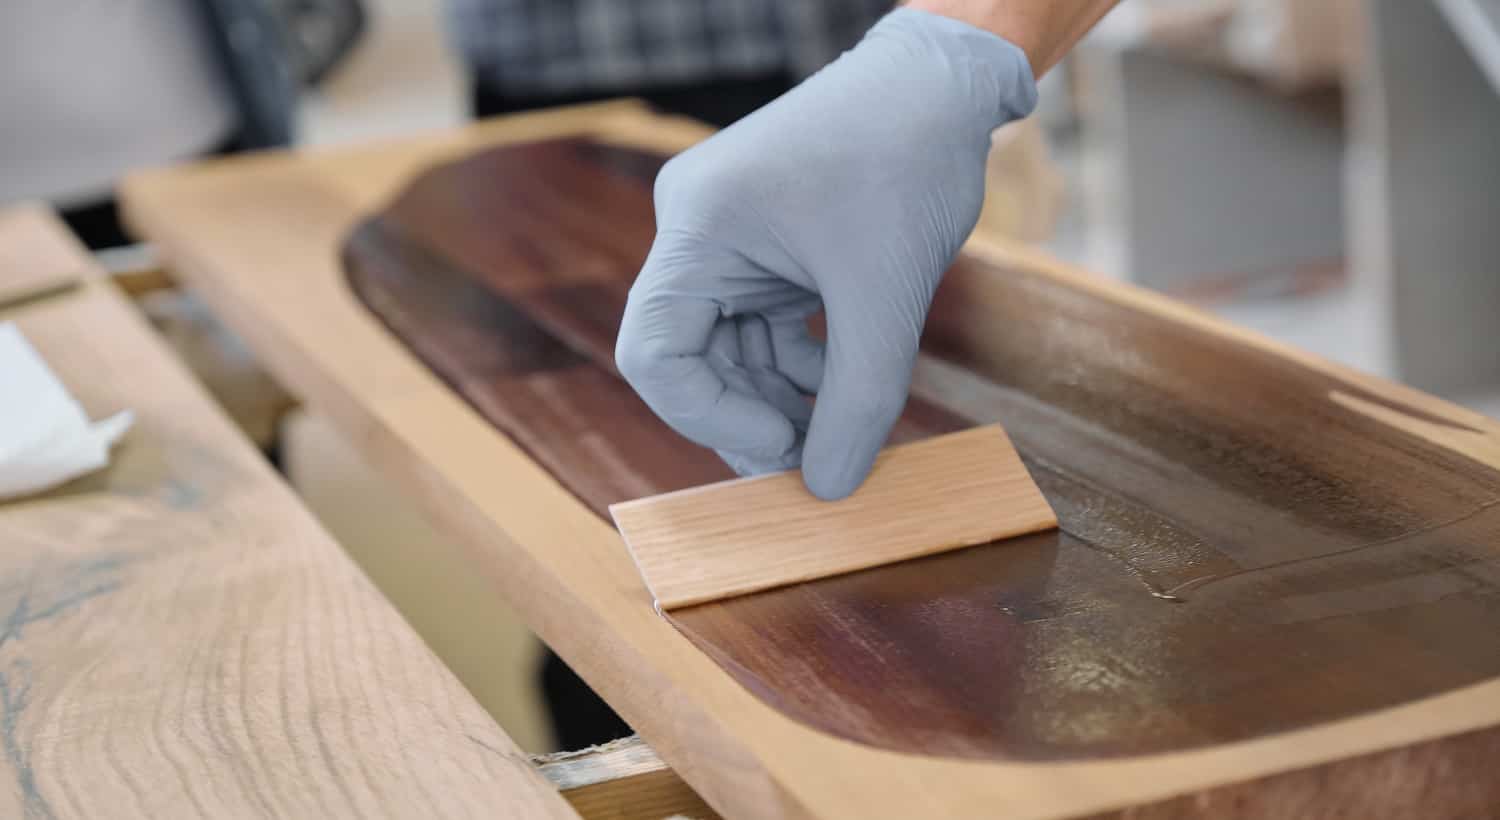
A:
{"x": 1239, "y": 554}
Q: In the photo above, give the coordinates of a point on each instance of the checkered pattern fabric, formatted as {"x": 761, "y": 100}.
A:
{"x": 566, "y": 46}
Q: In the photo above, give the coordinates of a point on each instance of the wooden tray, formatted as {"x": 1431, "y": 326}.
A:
{"x": 1267, "y": 564}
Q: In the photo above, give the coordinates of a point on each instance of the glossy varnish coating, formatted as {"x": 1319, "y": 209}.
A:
{"x": 1243, "y": 551}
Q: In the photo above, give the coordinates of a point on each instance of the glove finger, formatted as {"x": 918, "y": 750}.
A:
{"x": 871, "y": 350}
{"x": 745, "y": 466}
{"x": 799, "y": 356}
{"x": 726, "y": 356}
{"x": 662, "y": 352}
{"x": 756, "y": 348}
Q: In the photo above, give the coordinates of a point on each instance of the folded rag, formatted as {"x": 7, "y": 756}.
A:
{"x": 45, "y": 437}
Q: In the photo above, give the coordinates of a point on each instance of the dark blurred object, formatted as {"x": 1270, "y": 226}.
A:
{"x": 683, "y": 56}
{"x": 257, "y": 63}
{"x": 97, "y": 225}
{"x": 271, "y": 48}
{"x": 579, "y": 717}
{"x": 716, "y": 103}
{"x": 319, "y": 33}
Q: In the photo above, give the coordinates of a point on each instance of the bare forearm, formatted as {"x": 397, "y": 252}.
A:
{"x": 1044, "y": 29}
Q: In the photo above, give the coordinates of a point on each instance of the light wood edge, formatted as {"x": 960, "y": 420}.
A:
{"x": 622, "y": 780}
{"x": 370, "y": 174}
{"x": 32, "y": 228}
{"x": 140, "y": 282}
{"x": 745, "y": 757}
{"x": 1046, "y": 519}
{"x": 135, "y": 269}
{"x": 888, "y": 452}
{"x": 683, "y": 601}
{"x": 1480, "y": 442}
{"x": 25, "y": 296}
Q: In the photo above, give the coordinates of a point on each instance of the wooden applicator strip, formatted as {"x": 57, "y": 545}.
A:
{"x": 735, "y": 537}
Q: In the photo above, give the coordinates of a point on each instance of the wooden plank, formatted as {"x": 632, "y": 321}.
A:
{"x": 181, "y": 638}
{"x": 261, "y": 242}
{"x": 35, "y": 261}
{"x": 622, "y": 780}
{"x": 746, "y": 535}
{"x": 140, "y": 282}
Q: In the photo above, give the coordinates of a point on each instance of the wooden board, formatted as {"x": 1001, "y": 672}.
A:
{"x": 1160, "y": 410}
{"x": 746, "y": 535}
{"x": 180, "y": 638}
{"x": 36, "y": 259}
{"x": 622, "y": 780}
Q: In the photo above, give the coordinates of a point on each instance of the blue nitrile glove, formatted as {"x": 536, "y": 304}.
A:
{"x": 853, "y": 193}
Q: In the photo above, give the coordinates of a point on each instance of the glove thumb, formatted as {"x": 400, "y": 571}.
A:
{"x": 866, "y": 376}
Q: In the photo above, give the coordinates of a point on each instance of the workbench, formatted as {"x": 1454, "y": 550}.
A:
{"x": 260, "y": 238}
{"x": 181, "y": 638}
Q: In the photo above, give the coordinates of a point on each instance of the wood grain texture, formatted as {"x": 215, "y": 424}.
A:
{"x": 746, "y": 535}
{"x": 622, "y": 780}
{"x": 179, "y": 638}
{"x": 261, "y": 240}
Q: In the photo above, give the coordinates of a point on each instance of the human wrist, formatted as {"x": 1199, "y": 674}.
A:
{"x": 989, "y": 15}
{"x": 1044, "y": 29}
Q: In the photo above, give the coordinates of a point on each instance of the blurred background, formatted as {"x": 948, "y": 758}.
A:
{"x": 1323, "y": 171}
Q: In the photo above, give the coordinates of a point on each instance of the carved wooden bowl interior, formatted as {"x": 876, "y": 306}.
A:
{"x": 1246, "y": 547}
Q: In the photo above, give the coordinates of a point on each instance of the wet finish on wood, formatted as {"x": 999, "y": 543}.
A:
{"x": 1243, "y": 552}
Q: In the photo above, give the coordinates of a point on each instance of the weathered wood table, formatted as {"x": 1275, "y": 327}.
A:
{"x": 1274, "y": 593}
{"x": 179, "y": 637}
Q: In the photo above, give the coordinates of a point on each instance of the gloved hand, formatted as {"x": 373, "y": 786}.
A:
{"x": 851, "y": 193}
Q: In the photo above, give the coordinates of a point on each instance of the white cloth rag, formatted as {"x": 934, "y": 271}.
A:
{"x": 45, "y": 438}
